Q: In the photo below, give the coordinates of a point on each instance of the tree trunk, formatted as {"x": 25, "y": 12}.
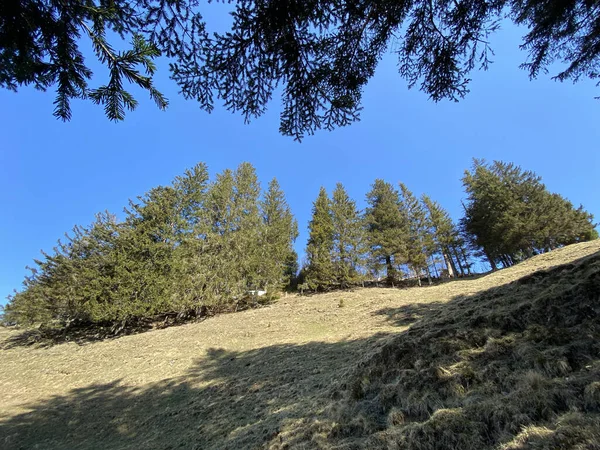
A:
{"x": 435, "y": 270}
{"x": 467, "y": 265}
{"x": 389, "y": 269}
{"x": 449, "y": 264}
{"x": 491, "y": 261}
{"x": 506, "y": 261}
{"x": 455, "y": 254}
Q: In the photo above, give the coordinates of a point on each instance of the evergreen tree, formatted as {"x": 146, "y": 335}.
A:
{"x": 280, "y": 230}
{"x": 247, "y": 222}
{"x": 232, "y": 242}
{"x": 321, "y": 53}
{"x": 320, "y": 272}
{"x": 191, "y": 188}
{"x": 443, "y": 231}
{"x": 419, "y": 237}
{"x": 144, "y": 264}
{"x": 348, "y": 237}
{"x": 191, "y": 254}
{"x": 71, "y": 284}
{"x": 387, "y": 228}
{"x": 510, "y": 215}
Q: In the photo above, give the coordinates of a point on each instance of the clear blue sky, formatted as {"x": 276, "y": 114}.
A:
{"x": 55, "y": 175}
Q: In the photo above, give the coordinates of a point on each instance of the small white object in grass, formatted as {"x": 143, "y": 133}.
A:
{"x": 257, "y": 293}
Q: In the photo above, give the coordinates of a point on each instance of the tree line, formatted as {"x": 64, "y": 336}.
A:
{"x": 509, "y": 216}
{"x": 199, "y": 246}
{"x": 182, "y": 250}
{"x": 398, "y": 235}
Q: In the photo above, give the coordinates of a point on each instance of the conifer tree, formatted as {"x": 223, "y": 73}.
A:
{"x": 280, "y": 230}
{"x": 419, "y": 237}
{"x": 247, "y": 222}
{"x": 191, "y": 272}
{"x": 510, "y": 215}
{"x": 348, "y": 236}
{"x": 227, "y": 241}
{"x": 443, "y": 231}
{"x": 182, "y": 250}
{"x": 191, "y": 188}
{"x": 147, "y": 241}
{"x": 71, "y": 284}
{"x": 320, "y": 274}
{"x": 387, "y": 228}
{"x": 318, "y": 54}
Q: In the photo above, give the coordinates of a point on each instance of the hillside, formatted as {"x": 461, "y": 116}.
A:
{"x": 509, "y": 360}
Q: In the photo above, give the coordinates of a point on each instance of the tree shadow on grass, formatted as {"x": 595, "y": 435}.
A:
{"x": 461, "y": 306}
{"x": 407, "y": 314}
{"x": 513, "y": 366}
{"x": 227, "y": 399}
{"x": 272, "y": 395}
{"x": 86, "y": 333}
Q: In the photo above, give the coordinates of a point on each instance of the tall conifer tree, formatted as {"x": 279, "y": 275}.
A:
{"x": 348, "y": 238}
{"x": 387, "y": 228}
{"x": 443, "y": 231}
{"x": 280, "y": 230}
{"x": 419, "y": 237}
{"x": 247, "y": 225}
{"x": 319, "y": 251}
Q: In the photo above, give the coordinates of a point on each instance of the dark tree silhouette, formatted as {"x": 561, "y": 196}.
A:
{"x": 321, "y": 53}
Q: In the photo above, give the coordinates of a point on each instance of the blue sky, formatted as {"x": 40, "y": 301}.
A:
{"x": 54, "y": 175}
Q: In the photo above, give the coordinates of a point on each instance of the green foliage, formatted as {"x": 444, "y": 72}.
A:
{"x": 387, "y": 228}
{"x": 320, "y": 271}
{"x": 442, "y": 228}
{"x": 348, "y": 238}
{"x": 39, "y": 45}
{"x": 419, "y": 238}
{"x": 510, "y": 215}
{"x": 182, "y": 249}
{"x": 336, "y": 245}
{"x": 198, "y": 245}
{"x": 320, "y": 53}
{"x": 280, "y": 261}
{"x": 445, "y": 239}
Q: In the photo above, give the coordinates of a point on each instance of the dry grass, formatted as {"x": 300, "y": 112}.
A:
{"x": 483, "y": 363}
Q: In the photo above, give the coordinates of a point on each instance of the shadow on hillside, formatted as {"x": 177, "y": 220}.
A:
{"x": 227, "y": 399}
{"x": 407, "y": 314}
{"x": 244, "y": 400}
{"x": 48, "y": 337}
{"x": 462, "y": 305}
{"x": 88, "y": 333}
{"x": 515, "y": 366}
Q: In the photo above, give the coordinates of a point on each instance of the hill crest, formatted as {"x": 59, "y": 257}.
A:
{"x": 271, "y": 377}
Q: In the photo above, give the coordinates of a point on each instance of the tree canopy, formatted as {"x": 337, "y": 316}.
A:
{"x": 199, "y": 245}
{"x": 318, "y": 53}
{"x": 510, "y": 215}
{"x": 182, "y": 250}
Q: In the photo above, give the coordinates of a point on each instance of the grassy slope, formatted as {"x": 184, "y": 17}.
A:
{"x": 481, "y": 363}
